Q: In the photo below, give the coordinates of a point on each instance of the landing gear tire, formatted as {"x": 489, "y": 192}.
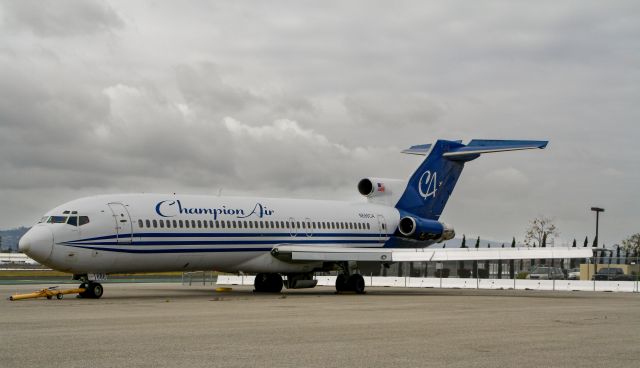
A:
{"x": 341, "y": 283}
{"x": 268, "y": 283}
{"x": 59, "y": 296}
{"x": 355, "y": 283}
{"x": 92, "y": 290}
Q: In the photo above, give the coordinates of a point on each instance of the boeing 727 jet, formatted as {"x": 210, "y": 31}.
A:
{"x": 128, "y": 233}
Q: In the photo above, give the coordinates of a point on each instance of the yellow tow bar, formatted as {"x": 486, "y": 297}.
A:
{"x": 48, "y": 293}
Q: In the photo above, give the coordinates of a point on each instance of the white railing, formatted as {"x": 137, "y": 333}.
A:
{"x": 456, "y": 283}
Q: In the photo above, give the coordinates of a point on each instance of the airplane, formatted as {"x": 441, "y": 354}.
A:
{"x": 128, "y": 233}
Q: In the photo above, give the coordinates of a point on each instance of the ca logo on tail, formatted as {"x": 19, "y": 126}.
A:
{"x": 427, "y": 184}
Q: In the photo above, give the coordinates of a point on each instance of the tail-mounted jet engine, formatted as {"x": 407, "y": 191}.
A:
{"x": 421, "y": 229}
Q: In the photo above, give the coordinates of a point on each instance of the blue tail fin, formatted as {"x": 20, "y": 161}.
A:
{"x": 432, "y": 183}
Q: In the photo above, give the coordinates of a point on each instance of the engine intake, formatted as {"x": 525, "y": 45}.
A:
{"x": 421, "y": 229}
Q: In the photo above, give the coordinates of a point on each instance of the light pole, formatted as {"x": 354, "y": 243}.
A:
{"x": 597, "y": 210}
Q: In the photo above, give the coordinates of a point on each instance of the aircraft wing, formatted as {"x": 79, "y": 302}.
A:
{"x": 336, "y": 253}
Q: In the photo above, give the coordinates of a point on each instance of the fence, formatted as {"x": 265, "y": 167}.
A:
{"x": 458, "y": 283}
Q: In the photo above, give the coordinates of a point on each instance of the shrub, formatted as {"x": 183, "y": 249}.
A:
{"x": 444, "y": 272}
{"x": 522, "y": 275}
{"x": 464, "y": 273}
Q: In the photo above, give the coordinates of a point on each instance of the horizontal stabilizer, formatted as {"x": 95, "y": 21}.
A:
{"x": 479, "y": 146}
{"x": 331, "y": 253}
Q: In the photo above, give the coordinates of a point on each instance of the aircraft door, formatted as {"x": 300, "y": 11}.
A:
{"x": 382, "y": 228}
{"x": 124, "y": 228}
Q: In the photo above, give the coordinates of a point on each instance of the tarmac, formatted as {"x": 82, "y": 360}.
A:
{"x": 171, "y": 325}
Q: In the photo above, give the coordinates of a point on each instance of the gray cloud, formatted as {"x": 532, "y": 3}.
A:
{"x": 61, "y": 18}
{"x": 303, "y": 100}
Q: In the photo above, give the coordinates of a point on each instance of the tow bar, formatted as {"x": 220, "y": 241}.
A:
{"x": 48, "y": 293}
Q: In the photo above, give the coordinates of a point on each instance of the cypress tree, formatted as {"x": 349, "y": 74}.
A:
{"x": 461, "y": 263}
{"x": 572, "y": 261}
{"x": 512, "y": 263}
{"x": 500, "y": 266}
{"x": 586, "y": 241}
{"x": 543, "y": 245}
{"x": 474, "y": 268}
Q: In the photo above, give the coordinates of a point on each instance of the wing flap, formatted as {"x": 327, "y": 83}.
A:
{"x": 338, "y": 254}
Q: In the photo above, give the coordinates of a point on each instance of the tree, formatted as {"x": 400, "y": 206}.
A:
{"x": 461, "y": 271}
{"x": 474, "y": 267}
{"x": 538, "y": 228}
{"x": 500, "y": 266}
{"x": 586, "y": 241}
{"x": 543, "y": 245}
{"x": 512, "y": 263}
{"x": 572, "y": 261}
{"x": 632, "y": 244}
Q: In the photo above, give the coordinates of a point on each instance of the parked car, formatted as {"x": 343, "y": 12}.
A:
{"x": 546, "y": 273}
{"x": 573, "y": 274}
{"x": 612, "y": 274}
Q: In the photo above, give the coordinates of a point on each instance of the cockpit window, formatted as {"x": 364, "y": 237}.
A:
{"x": 57, "y": 219}
{"x": 44, "y": 219}
{"x": 73, "y": 221}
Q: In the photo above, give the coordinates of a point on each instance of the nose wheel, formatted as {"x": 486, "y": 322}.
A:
{"x": 92, "y": 290}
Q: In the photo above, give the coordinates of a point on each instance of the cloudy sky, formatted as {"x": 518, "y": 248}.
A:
{"x": 303, "y": 99}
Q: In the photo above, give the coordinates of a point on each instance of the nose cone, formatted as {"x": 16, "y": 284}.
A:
{"x": 37, "y": 243}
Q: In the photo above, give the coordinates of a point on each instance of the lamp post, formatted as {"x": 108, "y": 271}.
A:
{"x": 597, "y": 210}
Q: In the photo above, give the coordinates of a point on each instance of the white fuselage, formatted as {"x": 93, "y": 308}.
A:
{"x": 158, "y": 232}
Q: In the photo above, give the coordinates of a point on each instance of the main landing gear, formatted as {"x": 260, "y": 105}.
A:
{"x": 92, "y": 290}
{"x": 347, "y": 281}
{"x": 268, "y": 283}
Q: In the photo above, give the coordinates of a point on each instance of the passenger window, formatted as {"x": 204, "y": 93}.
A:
{"x": 175, "y": 224}
{"x": 245, "y": 223}
{"x": 180, "y": 224}
{"x": 211, "y": 224}
{"x": 266, "y": 224}
{"x": 186, "y": 223}
{"x": 161, "y": 223}
{"x": 217, "y": 224}
{"x": 199, "y": 224}
{"x": 368, "y": 226}
{"x": 272, "y": 224}
{"x": 148, "y": 223}
{"x": 73, "y": 221}
{"x": 222, "y": 224}
{"x": 233, "y": 223}
{"x": 155, "y": 223}
{"x": 140, "y": 224}
{"x": 228, "y": 224}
